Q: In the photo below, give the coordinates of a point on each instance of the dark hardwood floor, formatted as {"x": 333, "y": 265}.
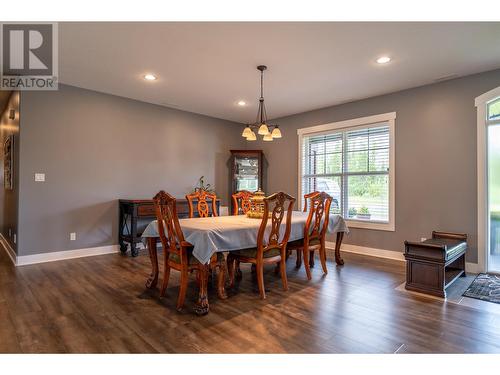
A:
{"x": 100, "y": 304}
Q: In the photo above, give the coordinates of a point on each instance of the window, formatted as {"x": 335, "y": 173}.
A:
{"x": 353, "y": 161}
{"x": 494, "y": 110}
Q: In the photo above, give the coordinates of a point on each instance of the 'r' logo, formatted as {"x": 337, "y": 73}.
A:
{"x": 27, "y": 49}
{"x": 35, "y": 41}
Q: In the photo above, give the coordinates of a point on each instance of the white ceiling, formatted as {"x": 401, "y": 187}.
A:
{"x": 208, "y": 67}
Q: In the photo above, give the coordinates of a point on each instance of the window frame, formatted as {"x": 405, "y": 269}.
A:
{"x": 360, "y": 123}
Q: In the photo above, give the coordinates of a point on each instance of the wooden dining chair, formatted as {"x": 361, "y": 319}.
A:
{"x": 307, "y": 197}
{"x": 200, "y": 198}
{"x": 241, "y": 202}
{"x": 178, "y": 254}
{"x": 271, "y": 246}
{"x": 314, "y": 232}
{"x": 298, "y": 258}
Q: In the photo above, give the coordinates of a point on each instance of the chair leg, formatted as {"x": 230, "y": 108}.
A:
{"x": 283, "y": 274}
{"x": 277, "y": 268}
{"x": 298, "y": 262}
{"x": 322, "y": 258}
{"x": 311, "y": 258}
{"x": 237, "y": 272}
{"x": 182, "y": 289}
{"x": 230, "y": 270}
{"x": 306, "y": 262}
{"x": 166, "y": 276}
{"x": 260, "y": 280}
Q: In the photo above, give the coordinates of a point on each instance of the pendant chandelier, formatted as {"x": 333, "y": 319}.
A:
{"x": 261, "y": 124}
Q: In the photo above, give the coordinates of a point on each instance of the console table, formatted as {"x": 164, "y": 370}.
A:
{"x": 136, "y": 214}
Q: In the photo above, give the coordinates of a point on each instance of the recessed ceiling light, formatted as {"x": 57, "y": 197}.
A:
{"x": 242, "y": 103}
{"x": 383, "y": 60}
{"x": 150, "y": 77}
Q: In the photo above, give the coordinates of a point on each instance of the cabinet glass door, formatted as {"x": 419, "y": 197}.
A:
{"x": 246, "y": 173}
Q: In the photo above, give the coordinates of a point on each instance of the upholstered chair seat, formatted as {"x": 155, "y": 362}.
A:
{"x": 192, "y": 259}
{"x": 252, "y": 253}
{"x": 300, "y": 243}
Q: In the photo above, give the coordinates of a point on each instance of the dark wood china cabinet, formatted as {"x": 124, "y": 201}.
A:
{"x": 247, "y": 171}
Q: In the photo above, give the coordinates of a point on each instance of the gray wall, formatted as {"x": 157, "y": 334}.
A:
{"x": 95, "y": 149}
{"x": 9, "y": 198}
{"x": 435, "y": 157}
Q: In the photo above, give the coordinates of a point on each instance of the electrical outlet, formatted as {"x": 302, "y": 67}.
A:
{"x": 39, "y": 177}
{"x": 15, "y": 238}
{"x": 72, "y": 236}
{"x": 423, "y": 239}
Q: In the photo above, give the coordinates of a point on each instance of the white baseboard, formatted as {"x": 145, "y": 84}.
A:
{"x": 112, "y": 249}
{"x": 24, "y": 260}
{"x": 8, "y": 249}
{"x": 369, "y": 251}
{"x": 388, "y": 254}
{"x": 472, "y": 268}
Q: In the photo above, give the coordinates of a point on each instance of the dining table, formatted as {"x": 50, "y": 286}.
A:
{"x": 209, "y": 235}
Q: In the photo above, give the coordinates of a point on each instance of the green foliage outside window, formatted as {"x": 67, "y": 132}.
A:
{"x": 494, "y": 110}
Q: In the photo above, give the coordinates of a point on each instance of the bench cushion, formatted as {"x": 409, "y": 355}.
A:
{"x": 451, "y": 247}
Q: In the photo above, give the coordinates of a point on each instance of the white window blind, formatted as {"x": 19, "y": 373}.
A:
{"x": 352, "y": 165}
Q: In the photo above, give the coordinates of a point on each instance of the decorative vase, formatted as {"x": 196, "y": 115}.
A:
{"x": 257, "y": 205}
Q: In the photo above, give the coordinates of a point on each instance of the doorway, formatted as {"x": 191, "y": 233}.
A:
{"x": 493, "y": 187}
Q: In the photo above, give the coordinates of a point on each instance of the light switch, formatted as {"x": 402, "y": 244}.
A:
{"x": 72, "y": 236}
{"x": 39, "y": 177}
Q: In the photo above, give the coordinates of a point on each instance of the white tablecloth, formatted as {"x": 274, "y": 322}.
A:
{"x": 226, "y": 233}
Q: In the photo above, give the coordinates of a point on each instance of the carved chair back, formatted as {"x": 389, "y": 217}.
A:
{"x": 202, "y": 206}
{"x": 170, "y": 231}
{"x": 307, "y": 197}
{"x": 277, "y": 207}
{"x": 319, "y": 214}
{"x": 241, "y": 202}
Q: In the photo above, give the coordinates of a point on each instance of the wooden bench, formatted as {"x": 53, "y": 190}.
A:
{"x": 434, "y": 264}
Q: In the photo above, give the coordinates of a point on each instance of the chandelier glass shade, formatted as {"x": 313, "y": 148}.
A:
{"x": 276, "y": 133}
{"x": 247, "y": 132}
{"x": 268, "y": 137}
{"x": 252, "y": 136}
{"x": 263, "y": 129}
{"x": 261, "y": 124}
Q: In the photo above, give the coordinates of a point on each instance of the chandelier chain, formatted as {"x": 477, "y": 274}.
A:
{"x": 261, "y": 118}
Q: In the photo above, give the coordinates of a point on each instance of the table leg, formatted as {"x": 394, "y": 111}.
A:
{"x": 338, "y": 242}
{"x": 202, "y": 306}
{"x": 221, "y": 281}
{"x": 133, "y": 234}
{"x": 153, "y": 278}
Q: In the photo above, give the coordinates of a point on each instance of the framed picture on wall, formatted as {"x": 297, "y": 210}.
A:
{"x": 8, "y": 163}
